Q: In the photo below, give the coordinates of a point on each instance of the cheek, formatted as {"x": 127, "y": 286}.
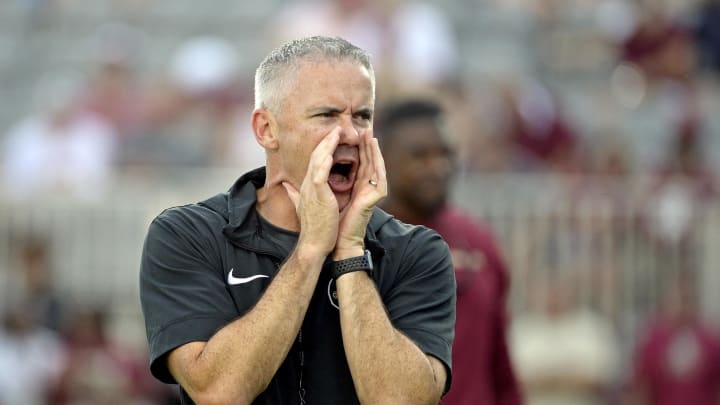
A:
{"x": 412, "y": 168}
{"x": 404, "y": 173}
{"x": 296, "y": 151}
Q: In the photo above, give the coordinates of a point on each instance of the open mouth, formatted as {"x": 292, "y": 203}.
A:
{"x": 342, "y": 176}
{"x": 341, "y": 171}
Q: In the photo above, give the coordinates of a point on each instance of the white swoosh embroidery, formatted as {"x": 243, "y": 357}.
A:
{"x": 232, "y": 280}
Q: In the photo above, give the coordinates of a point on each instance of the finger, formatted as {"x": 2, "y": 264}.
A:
{"x": 327, "y": 145}
{"x": 365, "y": 169}
{"x": 318, "y": 167}
{"x": 321, "y": 174}
{"x": 368, "y": 146}
{"x": 370, "y": 134}
{"x": 292, "y": 193}
{"x": 379, "y": 163}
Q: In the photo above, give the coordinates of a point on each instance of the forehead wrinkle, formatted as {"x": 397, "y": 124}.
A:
{"x": 339, "y": 104}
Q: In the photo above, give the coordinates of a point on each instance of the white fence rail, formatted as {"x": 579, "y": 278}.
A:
{"x": 589, "y": 227}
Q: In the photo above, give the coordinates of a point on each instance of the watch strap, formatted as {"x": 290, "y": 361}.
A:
{"x": 349, "y": 265}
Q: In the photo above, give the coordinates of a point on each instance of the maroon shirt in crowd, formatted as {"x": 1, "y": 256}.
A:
{"x": 482, "y": 372}
{"x": 679, "y": 364}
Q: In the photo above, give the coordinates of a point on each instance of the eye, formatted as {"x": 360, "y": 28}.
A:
{"x": 366, "y": 116}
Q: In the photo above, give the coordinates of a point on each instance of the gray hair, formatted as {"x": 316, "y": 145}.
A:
{"x": 272, "y": 75}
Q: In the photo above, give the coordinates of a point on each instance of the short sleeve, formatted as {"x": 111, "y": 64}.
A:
{"x": 182, "y": 292}
{"x": 422, "y": 303}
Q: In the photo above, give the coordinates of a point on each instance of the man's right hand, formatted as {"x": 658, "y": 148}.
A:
{"x": 315, "y": 203}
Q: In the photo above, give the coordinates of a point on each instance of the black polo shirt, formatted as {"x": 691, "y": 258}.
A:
{"x": 206, "y": 264}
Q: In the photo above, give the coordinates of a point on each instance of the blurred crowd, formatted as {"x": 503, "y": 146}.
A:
{"x": 600, "y": 92}
{"x": 650, "y": 75}
{"x": 55, "y": 349}
{"x": 637, "y": 87}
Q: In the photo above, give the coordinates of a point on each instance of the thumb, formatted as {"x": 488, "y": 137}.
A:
{"x": 292, "y": 193}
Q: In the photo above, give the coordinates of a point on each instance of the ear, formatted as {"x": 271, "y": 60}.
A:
{"x": 265, "y": 128}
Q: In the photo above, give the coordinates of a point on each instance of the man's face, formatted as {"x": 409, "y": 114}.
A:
{"x": 320, "y": 97}
{"x": 420, "y": 164}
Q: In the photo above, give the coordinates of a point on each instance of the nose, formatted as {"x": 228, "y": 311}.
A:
{"x": 440, "y": 165}
{"x": 349, "y": 133}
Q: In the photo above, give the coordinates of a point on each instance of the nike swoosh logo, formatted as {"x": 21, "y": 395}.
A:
{"x": 232, "y": 280}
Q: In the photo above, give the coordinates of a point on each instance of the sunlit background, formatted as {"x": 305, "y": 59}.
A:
{"x": 588, "y": 134}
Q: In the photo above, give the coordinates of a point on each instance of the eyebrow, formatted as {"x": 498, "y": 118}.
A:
{"x": 323, "y": 109}
{"x": 335, "y": 110}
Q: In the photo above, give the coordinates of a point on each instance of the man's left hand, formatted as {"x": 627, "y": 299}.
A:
{"x": 370, "y": 187}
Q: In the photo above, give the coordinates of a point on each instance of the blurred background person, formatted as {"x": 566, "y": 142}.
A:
{"x": 60, "y": 148}
{"x": 413, "y": 44}
{"x": 31, "y": 357}
{"x": 707, "y": 34}
{"x": 537, "y": 129}
{"x": 677, "y": 357}
{"x": 114, "y": 90}
{"x": 420, "y": 162}
{"x": 191, "y": 112}
{"x": 680, "y": 191}
{"x": 565, "y": 353}
{"x": 35, "y": 284}
{"x": 662, "y": 53}
{"x": 96, "y": 370}
{"x": 31, "y": 349}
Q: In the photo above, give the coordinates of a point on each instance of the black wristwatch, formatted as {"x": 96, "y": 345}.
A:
{"x": 359, "y": 263}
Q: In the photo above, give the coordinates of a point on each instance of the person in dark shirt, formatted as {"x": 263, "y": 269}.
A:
{"x": 420, "y": 164}
{"x": 293, "y": 287}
